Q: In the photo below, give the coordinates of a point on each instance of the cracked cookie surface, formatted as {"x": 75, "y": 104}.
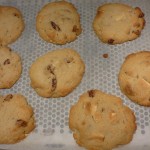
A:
{"x": 117, "y": 23}
{"x": 101, "y": 122}
{"x": 134, "y": 77}
{"x": 57, "y": 73}
{"x": 58, "y": 22}
{"x": 10, "y": 67}
{"x": 16, "y": 118}
{"x": 11, "y": 24}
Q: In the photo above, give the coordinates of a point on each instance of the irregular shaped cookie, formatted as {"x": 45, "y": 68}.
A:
{"x": 117, "y": 23}
{"x": 11, "y": 24}
{"x": 16, "y": 118}
{"x": 134, "y": 77}
{"x": 101, "y": 122}
{"x": 57, "y": 73}
{"x": 10, "y": 67}
{"x": 58, "y": 22}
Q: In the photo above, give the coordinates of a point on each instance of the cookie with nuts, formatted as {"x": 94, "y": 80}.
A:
{"x": 57, "y": 73}
{"x": 134, "y": 77}
{"x": 100, "y": 121}
{"x": 16, "y": 118}
{"x": 117, "y": 23}
{"x": 10, "y": 67}
{"x": 58, "y": 22}
{"x": 11, "y": 24}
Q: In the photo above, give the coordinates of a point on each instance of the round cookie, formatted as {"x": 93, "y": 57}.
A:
{"x": 117, "y": 23}
{"x": 16, "y": 118}
{"x": 57, "y": 73}
{"x": 134, "y": 77}
{"x": 101, "y": 122}
{"x": 11, "y": 24}
{"x": 10, "y": 67}
{"x": 58, "y": 22}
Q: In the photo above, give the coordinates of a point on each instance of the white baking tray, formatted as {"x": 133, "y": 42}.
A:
{"x": 52, "y": 132}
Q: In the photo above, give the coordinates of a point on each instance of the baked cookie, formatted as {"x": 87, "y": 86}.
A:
{"x": 101, "y": 122}
{"x": 57, "y": 73}
{"x": 134, "y": 77}
{"x": 16, "y": 118}
{"x": 58, "y": 22}
{"x": 11, "y": 24}
{"x": 10, "y": 67}
{"x": 117, "y": 23}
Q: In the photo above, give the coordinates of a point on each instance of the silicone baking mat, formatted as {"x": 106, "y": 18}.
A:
{"x": 52, "y": 132}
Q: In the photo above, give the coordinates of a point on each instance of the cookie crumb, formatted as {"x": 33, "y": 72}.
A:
{"x": 105, "y": 55}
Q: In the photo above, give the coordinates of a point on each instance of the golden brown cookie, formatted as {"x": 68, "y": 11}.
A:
{"x": 57, "y": 73}
{"x": 100, "y": 121}
{"x": 11, "y": 24}
{"x": 58, "y": 22}
{"x": 116, "y": 23}
{"x": 10, "y": 67}
{"x": 134, "y": 77}
{"x": 16, "y": 118}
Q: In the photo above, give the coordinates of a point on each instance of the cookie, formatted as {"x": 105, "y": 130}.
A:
{"x": 134, "y": 77}
{"x": 58, "y": 22}
{"x": 57, "y": 73}
{"x": 11, "y": 24}
{"x": 117, "y": 23}
{"x": 100, "y": 121}
{"x": 16, "y": 118}
{"x": 10, "y": 67}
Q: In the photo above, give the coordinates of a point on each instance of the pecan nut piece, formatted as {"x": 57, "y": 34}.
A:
{"x": 8, "y": 97}
{"x": 110, "y": 41}
{"x": 51, "y": 69}
{"x": 7, "y": 61}
{"x": 136, "y": 32}
{"x": 55, "y": 26}
{"x": 141, "y": 15}
{"x": 21, "y": 123}
{"x": 69, "y": 59}
{"x": 16, "y": 15}
{"x": 76, "y": 30}
{"x": 91, "y": 93}
{"x": 54, "y": 84}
